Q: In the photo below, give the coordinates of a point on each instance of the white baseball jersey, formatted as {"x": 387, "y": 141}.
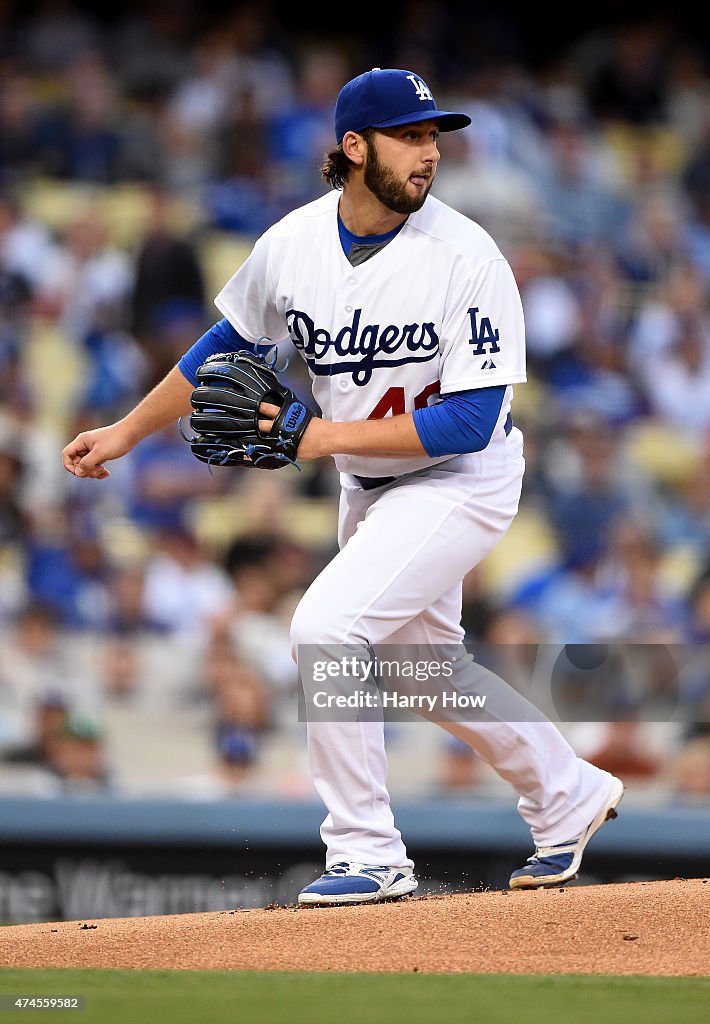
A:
{"x": 437, "y": 310}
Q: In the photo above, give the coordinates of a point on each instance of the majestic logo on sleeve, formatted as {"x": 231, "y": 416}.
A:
{"x": 361, "y": 348}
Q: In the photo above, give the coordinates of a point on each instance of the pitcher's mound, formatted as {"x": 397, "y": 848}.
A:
{"x": 657, "y": 928}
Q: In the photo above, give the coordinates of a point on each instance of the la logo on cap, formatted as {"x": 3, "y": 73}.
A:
{"x": 422, "y": 90}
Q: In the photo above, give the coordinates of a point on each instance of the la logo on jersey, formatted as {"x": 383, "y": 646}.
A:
{"x": 483, "y": 337}
{"x": 421, "y": 90}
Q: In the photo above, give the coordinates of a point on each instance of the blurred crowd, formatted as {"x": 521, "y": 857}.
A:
{"x": 144, "y": 619}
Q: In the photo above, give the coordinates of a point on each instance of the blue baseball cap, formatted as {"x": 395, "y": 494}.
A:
{"x": 386, "y": 97}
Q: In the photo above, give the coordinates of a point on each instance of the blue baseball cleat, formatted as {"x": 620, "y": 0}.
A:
{"x": 348, "y": 882}
{"x": 555, "y": 865}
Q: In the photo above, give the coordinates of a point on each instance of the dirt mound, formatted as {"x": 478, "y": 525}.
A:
{"x": 656, "y": 928}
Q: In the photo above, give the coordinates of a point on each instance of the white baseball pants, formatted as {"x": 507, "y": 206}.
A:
{"x": 404, "y": 550}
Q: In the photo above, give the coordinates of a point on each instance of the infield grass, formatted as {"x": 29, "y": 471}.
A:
{"x": 213, "y": 997}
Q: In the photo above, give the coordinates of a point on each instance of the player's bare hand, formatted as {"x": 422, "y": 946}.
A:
{"x": 312, "y": 444}
{"x": 86, "y": 454}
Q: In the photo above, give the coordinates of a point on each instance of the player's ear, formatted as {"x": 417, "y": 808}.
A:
{"x": 354, "y": 147}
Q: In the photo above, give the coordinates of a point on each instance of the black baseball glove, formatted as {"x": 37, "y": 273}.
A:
{"x": 225, "y": 422}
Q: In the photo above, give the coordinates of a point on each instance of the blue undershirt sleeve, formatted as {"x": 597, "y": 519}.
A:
{"x": 461, "y": 422}
{"x": 221, "y": 337}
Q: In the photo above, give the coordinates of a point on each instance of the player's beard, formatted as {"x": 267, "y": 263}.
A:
{"x": 386, "y": 187}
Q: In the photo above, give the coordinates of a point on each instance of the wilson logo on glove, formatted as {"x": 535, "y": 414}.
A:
{"x": 294, "y": 416}
{"x": 225, "y": 422}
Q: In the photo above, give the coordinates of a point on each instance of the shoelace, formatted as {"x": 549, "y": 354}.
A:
{"x": 543, "y": 852}
{"x": 344, "y": 866}
{"x": 338, "y": 869}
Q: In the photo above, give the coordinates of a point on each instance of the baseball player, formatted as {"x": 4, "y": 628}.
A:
{"x": 410, "y": 322}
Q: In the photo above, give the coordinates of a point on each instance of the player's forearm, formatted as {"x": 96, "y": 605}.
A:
{"x": 394, "y": 436}
{"x": 168, "y": 400}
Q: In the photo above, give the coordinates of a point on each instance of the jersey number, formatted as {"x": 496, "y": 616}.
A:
{"x": 393, "y": 401}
